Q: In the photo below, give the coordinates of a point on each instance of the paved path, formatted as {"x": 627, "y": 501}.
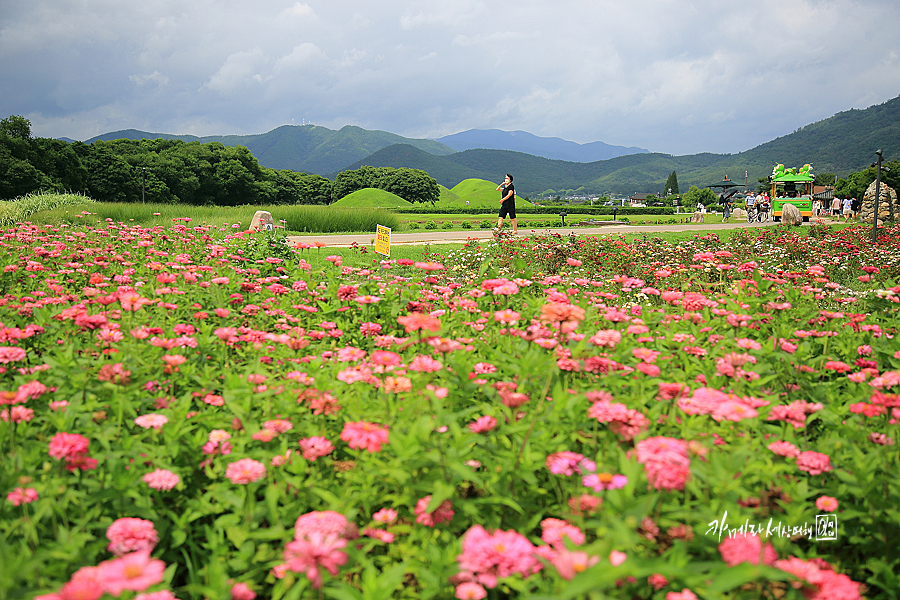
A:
{"x": 436, "y": 236}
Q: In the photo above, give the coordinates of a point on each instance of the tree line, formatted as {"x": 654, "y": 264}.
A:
{"x": 175, "y": 171}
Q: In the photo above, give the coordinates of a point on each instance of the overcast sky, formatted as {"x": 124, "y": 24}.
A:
{"x": 672, "y": 76}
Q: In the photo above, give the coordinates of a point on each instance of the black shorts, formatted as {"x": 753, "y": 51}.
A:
{"x": 508, "y": 208}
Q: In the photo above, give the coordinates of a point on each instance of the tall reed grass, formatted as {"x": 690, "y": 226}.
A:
{"x": 24, "y": 207}
{"x": 295, "y": 218}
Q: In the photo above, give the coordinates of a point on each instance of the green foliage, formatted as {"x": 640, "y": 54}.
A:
{"x": 413, "y": 185}
{"x": 695, "y": 196}
{"x": 23, "y": 208}
{"x": 671, "y": 187}
{"x": 15, "y": 126}
{"x": 431, "y": 225}
{"x": 855, "y": 185}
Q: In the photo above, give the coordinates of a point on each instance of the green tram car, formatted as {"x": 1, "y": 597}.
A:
{"x": 791, "y": 186}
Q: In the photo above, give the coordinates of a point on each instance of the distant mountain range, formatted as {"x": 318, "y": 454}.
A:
{"x": 307, "y": 148}
{"x": 840, "y": 144}
{"x": 546, "y": 147}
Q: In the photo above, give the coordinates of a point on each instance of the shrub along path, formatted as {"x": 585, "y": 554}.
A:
{"x": 434, "y": 236}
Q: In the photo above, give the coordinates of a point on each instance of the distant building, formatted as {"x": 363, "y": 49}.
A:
{"x": 638, "y": 199}
{"x": 823, "y": 192}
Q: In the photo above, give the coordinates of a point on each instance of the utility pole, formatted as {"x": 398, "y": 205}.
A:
{"x": 144, "y": 182}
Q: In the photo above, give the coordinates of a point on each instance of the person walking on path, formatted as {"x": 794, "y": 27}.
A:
{"x": 836, "y": 208}
{"x": 507, "y": 203}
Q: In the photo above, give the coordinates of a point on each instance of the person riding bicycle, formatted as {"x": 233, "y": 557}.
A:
{"x": 762, "y": 207}
{"x": 751, "y": 207}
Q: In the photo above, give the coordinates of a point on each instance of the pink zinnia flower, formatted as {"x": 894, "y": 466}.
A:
{"x": 746, "y": 548}
{"x": 245, "y": 470}
{"x": 316, "y": 447}
{"x": 564, "y": 463}
{"x": 313, "y": 551}
{"x": 483, "y": 424}
{"x": 135, "y": 571}
{"x": 553, "y": 532}
{"x": 152, "y": 420}
{"x": 490, "y": 556}
{"x": 130, "y": 534}
{"x": 385, "y": 515}
{"x": 425, "y": 364}
{"x": 22, "y": 496}
{"x": 161, "y": 479}
{"x": 604, "y": 481}
{"x": 361, "y": 434}
{"x": 826, "y": 503}
{"x": 10, "y": 354}
{"x": 324, "y": 522}
{"x": 241, "y": 591}
{"x": 684, "y": 594}
{"x": 783, "y": 448}
{"x": 68, "y": 445}
{"x": 568, "y": 563}
{"x": 813, "y": 463}
{"x": 443, "y": 512}
{"x": 469, "y": 590}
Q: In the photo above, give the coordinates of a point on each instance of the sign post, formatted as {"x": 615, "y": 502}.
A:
{"x": 383, "y": 240}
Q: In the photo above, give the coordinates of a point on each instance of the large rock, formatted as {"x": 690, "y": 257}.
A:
{"x": 262, "y": 221}
{"x": 790, "y": 215}
{"x": 697, "y": 217}
{"x": 888, "y": 209}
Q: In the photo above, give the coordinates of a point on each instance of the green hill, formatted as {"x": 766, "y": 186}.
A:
{"x": 371, "y": 198}
{"x": 477, "y": 192}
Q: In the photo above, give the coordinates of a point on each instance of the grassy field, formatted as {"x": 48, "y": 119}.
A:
{"x": 294, "y": 219}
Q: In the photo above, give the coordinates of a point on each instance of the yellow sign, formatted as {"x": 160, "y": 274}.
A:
{"x": 383, "y": 240}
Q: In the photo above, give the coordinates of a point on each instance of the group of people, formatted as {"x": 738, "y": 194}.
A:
{"x": 846, "y": 207}
{"x": 758, "y": 204}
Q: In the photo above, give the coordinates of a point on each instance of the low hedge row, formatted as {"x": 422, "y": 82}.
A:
{"x": 542, "y": 210}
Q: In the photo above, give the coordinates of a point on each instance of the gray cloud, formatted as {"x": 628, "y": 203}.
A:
{"x": 677, "y": 77}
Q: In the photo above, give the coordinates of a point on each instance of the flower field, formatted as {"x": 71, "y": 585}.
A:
{"x": 197, "y": 412}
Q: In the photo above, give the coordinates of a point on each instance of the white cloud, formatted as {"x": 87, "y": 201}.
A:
{"x": 239, "y": 71}
{"x": 709, "y": 75}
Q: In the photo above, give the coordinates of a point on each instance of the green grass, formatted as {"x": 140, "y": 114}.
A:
{"x": 295, "y": 218}
{"x": 371, "y": 198}
{"x": 25, "y": 207}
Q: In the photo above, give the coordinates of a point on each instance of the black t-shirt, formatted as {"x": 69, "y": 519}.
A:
{"x": 506, "y": 189}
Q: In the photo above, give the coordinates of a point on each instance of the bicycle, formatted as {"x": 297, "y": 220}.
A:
{"x": 751, "y": 213}
{"x": 762, "y": 214}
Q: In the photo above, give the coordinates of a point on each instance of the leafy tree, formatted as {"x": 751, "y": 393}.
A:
{"x": 413, "y": 185}
{"x": 671, "y": 186}
{"x": 16, "y": 126}
{"x": 695, "y": 196}
{"x": 855, "y": 185}
{"x": 825, "y": 179}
